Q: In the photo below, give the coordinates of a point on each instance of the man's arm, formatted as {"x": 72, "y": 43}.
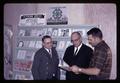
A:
{"x": 88, "y": 71}
{"x": 35, "y": 67}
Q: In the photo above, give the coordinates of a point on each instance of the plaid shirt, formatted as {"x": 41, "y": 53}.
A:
{"x": 102, "y": 59}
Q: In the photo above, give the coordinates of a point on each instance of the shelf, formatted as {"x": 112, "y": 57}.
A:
{"x": 28, "y": 38}
{"x": 60, "y": 26}
{"x": 27, "y": 34}
{"x": 27, "y": 48}
{"x": 22, "y": 72}
{"x": 38, "y": 38}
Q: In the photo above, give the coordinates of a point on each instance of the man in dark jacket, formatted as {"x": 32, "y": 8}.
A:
{"x": 45, "y": 64}
{"x": 77, "y": 54}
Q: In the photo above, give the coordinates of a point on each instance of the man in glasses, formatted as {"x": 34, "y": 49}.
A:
{"x": 45, "y": 64}
{"x": 77, "y": 54}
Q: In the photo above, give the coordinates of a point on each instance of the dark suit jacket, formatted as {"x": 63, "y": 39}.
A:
{"x": 82, "y": 59}
{"x": 44, "y": 66}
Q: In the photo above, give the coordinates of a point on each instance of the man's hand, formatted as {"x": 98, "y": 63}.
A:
{"x": 75, "y": 69}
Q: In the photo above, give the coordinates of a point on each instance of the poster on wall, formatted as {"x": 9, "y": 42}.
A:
{"x": 8, "y": 52}
{"x": 57, "y": 15}
{"x": 32, "y": 20}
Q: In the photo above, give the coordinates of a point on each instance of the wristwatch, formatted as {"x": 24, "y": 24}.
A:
{"x": 79, "y": 69}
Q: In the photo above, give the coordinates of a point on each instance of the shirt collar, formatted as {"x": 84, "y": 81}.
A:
{"x": 47, "y": 49}
{"x": 78, "y": 47}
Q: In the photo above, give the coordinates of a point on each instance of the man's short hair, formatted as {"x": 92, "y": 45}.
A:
{"x": 96, "y": 32}
{"x": 77, "y": 33}
{"x": 46, "y": 36}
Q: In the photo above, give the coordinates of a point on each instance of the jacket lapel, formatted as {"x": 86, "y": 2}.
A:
{"x": 80, "y": 50}
{"x": 46, "y": 53}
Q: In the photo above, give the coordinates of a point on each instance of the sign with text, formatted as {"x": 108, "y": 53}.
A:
{"x": 32, "y": 20}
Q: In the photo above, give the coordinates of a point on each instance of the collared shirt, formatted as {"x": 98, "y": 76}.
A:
{"x": 78, "y": 48}
{"x": 102, "y": 59}
{"x": 47, "y": 49}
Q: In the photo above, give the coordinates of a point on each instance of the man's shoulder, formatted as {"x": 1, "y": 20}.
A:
{"x": 103, "y": 46}
{"x": 38, "y": 52}
{"x": 87, "y": 47}
{"x": 69, "y": 47}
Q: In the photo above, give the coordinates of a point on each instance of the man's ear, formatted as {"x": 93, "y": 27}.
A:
{"x": 43, "y": 44}
{"x": 97, "y": 39}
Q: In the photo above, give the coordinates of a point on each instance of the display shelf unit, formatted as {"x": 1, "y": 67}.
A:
{"x": 28, "y": 41}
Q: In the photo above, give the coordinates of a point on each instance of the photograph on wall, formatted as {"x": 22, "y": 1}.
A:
{"x": 20, "y": 44}
{"x": 54, "y": 32}
{"x": 21, "y": 54}
{"x": 64, "y": 32}
{"x": 57, "y": 15}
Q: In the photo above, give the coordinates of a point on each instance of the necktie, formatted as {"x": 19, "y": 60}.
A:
{"x": 76, "y": 52}
{"x": 50, "y": 52}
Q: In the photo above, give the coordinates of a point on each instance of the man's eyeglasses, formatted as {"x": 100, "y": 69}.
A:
{"x": 48, "y": 42}
{"x": 75, "y": 40}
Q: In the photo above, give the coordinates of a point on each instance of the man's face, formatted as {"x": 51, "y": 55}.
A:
{"x": 48, "y": 43}
{"x": 92, "y": 40}
{"x": 75, "y": 39}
